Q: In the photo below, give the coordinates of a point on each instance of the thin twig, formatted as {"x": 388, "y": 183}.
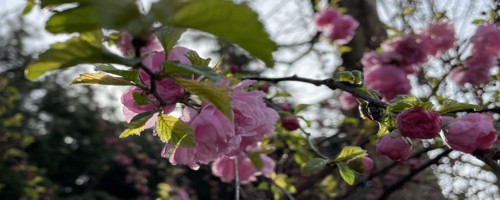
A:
{"x": 311, "y": 145}
{"x": 236, "y": 180}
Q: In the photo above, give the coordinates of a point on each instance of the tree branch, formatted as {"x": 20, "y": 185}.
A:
{"x": 329, "y": 82}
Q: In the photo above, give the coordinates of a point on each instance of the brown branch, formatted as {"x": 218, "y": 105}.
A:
{"x": 329, "y": 82}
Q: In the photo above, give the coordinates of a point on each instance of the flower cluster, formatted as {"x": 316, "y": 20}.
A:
{"x": 387, "y": 71}
{"x": 485, "y": 51}
{"x": 466, "y": 134}
{"x": 217, "y": 138}
{"x": 336, "y": 26}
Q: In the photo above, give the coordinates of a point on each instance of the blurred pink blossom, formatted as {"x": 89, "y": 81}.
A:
{"x": 337, "y": 27}
{"x": 347, "y": 101}
{"x": 394, "y": 148}
{"x": 471, "y": 132}
{"x": 438, "y": 37}
{"x": 389, "y": 81}
{"x": 223, "y": 167}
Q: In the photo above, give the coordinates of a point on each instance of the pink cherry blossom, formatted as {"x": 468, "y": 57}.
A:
{"x": 126, "y": 47}
{"x": 252, "y": 118}
{"x": 418, "y": 123}
{"x": 410, "y": 49}
{"x": 486, "y": 41}
{"x": 389, "y": 81}
{"x": 214, "y": 136}
{"x": 438, "y": 37}
{"x": 167, "y": 89}
{"x": 347, "y": 101}
{"x": 476, "y": 70}
{"x": 324, "y": 18}
{"x": 374, "y": 59}
{"x": 394, "y": 148}
{"x": 337, "y": 27}
{"x": 471, "y": 132}
{"x": 223, "y": 167}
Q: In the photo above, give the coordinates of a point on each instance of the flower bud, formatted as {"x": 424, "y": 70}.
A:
{"x": 361, "y": 165}
{"x": 418, "y": 123}
{"x": 394, "y": 148}
{"x": 290, "y": 123}
{"x": 471, "y": 132}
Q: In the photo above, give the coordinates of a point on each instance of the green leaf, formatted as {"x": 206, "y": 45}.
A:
{"x": 197, "y": 60}
{"x": 140, "y": 98}
{"x": 314, "y": 165}
{"x": 399, "y": 107}
{"x": 131, "y": 75}
{"x": 346, "y": 76}
{"x": 350, "y": 152}
{"x": 178, "y": 68}
{"x": 478, "y": 21}
{"x": 84, "y": 49}
{"x": 168, "y": 37}
{"x": 91, "y": 15}
{"x": 136, "y": 125}
{"x": 28, "y": 7}
{"x": 235, "y": 23}
{"x": 219, "y": 96}
{"x": 346, "y": 173}
{"x": 452, "y": 105}
{"x": 256, "y": 160}
{"x": 100, "y": 78}
{"x": 174, "y": 131}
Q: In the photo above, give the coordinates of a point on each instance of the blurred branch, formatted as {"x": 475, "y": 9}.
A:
{"x": 387, "y": 192}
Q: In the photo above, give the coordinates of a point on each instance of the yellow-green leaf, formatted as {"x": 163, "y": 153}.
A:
{"x": 137, "y": 124}
{"x": 174, "y": 131}
{"x": 350, "y": 152}
{"x": 219, "y": 96}
{"x": 83, "y": 49}
{"x": 346, "y": 173}
{"x": 100, "y": 78}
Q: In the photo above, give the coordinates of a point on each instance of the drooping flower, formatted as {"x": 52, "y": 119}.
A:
{"x": 471, "y": 132}
{"x": 389, "y": 81}
{"x": 418, "y": 123}
{"x": 223, "y": 167}
{"x": 394, "y": 148}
